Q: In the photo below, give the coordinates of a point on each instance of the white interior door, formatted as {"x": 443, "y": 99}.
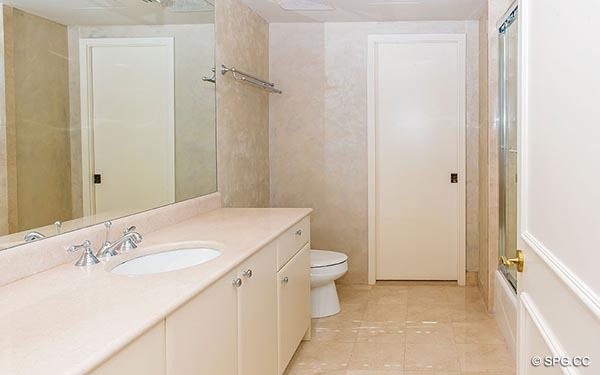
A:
{"x": 128, "y": 112}
{"x": 559, "y": 202}
{"x": 418, "y": 110}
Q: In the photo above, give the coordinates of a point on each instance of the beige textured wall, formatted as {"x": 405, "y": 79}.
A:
{"x": 195, "y": 146}
{"x": 40, "y": 101}
{"x": 243, "y": 110}
{"x": 4, "y": 157}
{"x": 10, "y": 122}
{"x": 483, "y": 154}
{"x": 319, "y": 129}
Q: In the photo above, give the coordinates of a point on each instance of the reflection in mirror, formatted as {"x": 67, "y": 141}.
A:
{"x": 107, "y": 112}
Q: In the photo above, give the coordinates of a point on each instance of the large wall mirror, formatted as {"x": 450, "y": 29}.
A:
{"x": 109, "y": 108}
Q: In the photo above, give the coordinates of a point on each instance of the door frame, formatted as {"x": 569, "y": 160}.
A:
{"x": 86, "y": 46}
{"x": 373, "y": 41}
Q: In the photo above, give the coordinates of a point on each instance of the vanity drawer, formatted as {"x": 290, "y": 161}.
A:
{"x": 292, "y": 241}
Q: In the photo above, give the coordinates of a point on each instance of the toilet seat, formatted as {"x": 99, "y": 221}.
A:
{"x": 324, "y": 258}
{"x": 329, "y": 272}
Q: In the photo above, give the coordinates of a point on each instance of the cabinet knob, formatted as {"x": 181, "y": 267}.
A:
{"x": 248, "y": 273}
{"x": 285, "y": 280}
{"x": 237, "y": 282}
{"x": 299, "y": 232}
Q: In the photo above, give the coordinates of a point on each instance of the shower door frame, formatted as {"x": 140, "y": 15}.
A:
{"x": 503, "y": 152}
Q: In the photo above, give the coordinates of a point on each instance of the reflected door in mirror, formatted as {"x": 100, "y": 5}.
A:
{"x": 128, "y": 91}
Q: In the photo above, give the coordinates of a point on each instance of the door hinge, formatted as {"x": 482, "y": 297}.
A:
{"x": 453, "y": 178}
{"x": 97, "y": 178}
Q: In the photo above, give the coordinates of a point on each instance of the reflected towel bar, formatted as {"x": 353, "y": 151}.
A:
{"x": 241, "y": 76}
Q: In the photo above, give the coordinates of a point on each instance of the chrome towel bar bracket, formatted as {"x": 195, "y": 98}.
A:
{"x": 248, "y": 78}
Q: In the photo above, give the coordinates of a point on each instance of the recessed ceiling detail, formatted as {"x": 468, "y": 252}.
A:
{"x": 183, "y": 5}
{"x": 291, "y": 5}
{"x": 119, "y": 12}
{"x": 366, "y": 10}
{"x": 393, "y": 2}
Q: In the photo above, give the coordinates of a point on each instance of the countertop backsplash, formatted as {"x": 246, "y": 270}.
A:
{"x": 38, "y": 256}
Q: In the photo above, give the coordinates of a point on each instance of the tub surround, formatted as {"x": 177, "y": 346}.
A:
{"x": 505, "y": 311}
{"x": 70, "y": 320}
{"x": 489, "y": 204}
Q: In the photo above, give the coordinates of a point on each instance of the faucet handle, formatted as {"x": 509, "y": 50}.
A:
{"x": 131, "y": 242}
{"x": 87, "y": 258}
{"x": 131, "y": 239}
{"x": 129, "y": 230}
{"x": 75, "y": 248}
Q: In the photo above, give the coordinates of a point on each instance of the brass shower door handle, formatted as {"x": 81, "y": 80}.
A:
{"x": 519, "y": 261}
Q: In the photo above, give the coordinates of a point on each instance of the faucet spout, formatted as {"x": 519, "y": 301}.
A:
{"x": 33, "y": 236}
{"x": 112, "y": 248}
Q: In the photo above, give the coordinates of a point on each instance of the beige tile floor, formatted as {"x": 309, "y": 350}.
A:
{"x": 405, "y": 329}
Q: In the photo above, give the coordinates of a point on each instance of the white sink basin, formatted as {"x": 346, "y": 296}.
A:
{"x": 166, "y": 261}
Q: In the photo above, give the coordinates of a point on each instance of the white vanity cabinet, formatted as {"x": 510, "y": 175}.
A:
{"x": 293, "y": 290}
{"x": 250, "y": 322}
{"x": 229, "y": 328}
{"x": 257, "y": 314}
{"x": 293, "y": 295}
{"x": 201, "y": 336}
{"x": 145, "y": 355}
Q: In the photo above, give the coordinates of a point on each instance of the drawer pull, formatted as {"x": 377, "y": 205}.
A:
{"x": 248, "y": 273}
{"x": 299, "y": 232}
{"x": 237, "y": 282}
{"x": 285, "y": 280}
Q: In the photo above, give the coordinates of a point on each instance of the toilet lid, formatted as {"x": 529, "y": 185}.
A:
{"x": 322, "y": 258}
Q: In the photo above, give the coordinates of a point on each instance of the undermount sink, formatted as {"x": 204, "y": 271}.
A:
{"x": 166, "y": 261}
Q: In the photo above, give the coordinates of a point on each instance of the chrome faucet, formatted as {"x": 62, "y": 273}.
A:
{"x": 128, "y": 241}
{"x": 33, "y": 236}
{"x": 132, "y": 241}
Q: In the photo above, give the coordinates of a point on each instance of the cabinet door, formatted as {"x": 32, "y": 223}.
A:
{"x": 145, "y": 355}
{"x": 257, "y": 314}
{"x": 201, "y": 336}
{"x": 293, "y": 305}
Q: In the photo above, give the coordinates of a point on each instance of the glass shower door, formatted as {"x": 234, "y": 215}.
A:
{"x": 508, "y": 127}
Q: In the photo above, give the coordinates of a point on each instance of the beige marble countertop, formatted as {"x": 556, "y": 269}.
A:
{"x": 69, "y": 320}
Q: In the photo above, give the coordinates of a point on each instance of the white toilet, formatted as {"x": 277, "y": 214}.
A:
{"x": 325, "y": 268}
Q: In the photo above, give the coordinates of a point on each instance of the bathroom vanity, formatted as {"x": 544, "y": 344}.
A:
{"x": 272, "y": 286}
{"x": 124, "y": 144}
{"x": 243, "y": 312}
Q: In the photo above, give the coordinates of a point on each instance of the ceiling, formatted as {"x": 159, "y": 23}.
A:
{"x": 115, "y": 12}
{"x": 367, "y": 10}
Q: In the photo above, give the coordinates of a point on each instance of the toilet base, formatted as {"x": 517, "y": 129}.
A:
{"x": 324, "y": 300}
